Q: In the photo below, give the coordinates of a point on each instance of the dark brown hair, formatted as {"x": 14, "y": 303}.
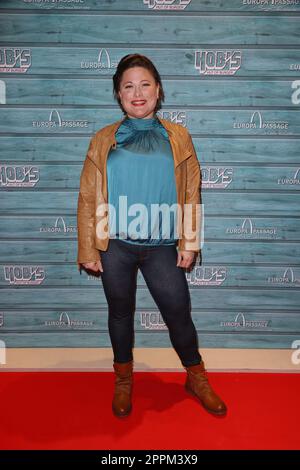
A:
{"x": 136, "y": 60}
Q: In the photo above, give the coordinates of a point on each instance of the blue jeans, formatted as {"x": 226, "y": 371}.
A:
{"x": 168, "y": 286}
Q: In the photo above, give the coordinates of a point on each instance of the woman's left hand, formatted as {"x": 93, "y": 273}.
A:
{"x": 185, "y": 258}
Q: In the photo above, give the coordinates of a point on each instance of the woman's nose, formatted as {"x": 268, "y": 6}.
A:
{"x": 137, "y": 91}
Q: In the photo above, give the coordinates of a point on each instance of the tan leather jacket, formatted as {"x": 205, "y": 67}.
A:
{"x": 92, "y": 213}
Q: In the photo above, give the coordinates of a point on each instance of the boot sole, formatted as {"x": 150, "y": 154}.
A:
{"x": 122, "y": 415}
{"x": 216, "y": 413}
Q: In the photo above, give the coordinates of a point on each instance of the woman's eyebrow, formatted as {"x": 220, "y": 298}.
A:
{"x": 145, "y": 80}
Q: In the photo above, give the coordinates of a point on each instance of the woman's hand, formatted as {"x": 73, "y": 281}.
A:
{"x": 93, "y": 266}
{"x": 185, "y": 258}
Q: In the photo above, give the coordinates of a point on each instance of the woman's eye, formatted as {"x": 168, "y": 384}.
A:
{"x": 130, "y": 86}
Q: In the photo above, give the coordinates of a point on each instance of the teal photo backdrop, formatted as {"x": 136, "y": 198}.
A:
{"x": 231, "y": 75}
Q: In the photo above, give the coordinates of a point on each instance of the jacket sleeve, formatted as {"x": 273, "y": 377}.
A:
{"x": 192, "y": 213}
{"x": 86, "y": 211}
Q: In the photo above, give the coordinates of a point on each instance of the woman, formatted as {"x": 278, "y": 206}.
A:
{"x": 137, "y": 165}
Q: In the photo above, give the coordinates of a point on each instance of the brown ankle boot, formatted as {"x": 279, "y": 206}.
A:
{"x": 197, "y": 384}
{"x": 121, "y": 404}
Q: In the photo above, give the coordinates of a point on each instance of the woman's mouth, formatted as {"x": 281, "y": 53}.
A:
{"x": 138, "y": 102}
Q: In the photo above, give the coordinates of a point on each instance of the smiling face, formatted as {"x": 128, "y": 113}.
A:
{"x": 138, "y": 92}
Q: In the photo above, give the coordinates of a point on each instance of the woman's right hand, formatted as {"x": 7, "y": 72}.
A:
{"x": 94, "y": 266}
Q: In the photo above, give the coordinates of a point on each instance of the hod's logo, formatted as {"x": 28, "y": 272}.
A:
{"x": 217, "y": 62}
{"x": 179, "y": 117}
{"x": 207, "y": 276}
{"x": 216, "y": 177}
{"x": 24, "y": 275}
{"x": 14, "y": 60}
{"x": 152, "y": 321}
{"x": 19, "y": 175}
{"x": 167, "y": 4}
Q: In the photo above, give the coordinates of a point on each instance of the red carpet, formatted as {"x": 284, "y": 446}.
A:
{"x": 72, "y": 410}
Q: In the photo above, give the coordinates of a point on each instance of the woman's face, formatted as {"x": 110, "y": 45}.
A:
{"x": 138, "y": 92}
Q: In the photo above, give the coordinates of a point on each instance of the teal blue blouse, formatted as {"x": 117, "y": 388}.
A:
{"x": 140, "y": 178}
